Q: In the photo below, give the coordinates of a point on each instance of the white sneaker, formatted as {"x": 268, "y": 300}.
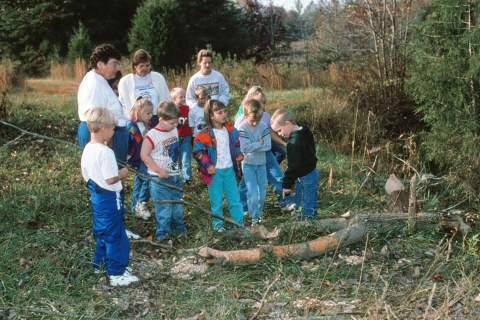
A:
{"x": 289, "y": 207}
{"x": 123, "y": 280}
{"x": 131, "y": 235}
{"x": 142, "y": 211}
{"x": 255, "y": 222}
{"x": 245, "y": 213}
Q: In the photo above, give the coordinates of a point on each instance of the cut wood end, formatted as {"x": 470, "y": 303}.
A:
{"x": 203, "y": 252}
{"x": 346, "y": 215}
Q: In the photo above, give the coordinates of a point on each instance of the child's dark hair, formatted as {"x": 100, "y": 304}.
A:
{"x": 168, "y": 110}
{"x": 210, "y": 107}
{"x": 111, "y": 82}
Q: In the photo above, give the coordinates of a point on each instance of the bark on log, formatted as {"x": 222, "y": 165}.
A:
{"x": 351, "y": 228}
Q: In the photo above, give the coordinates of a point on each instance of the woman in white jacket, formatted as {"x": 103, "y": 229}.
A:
{"x": 143, "y": 82}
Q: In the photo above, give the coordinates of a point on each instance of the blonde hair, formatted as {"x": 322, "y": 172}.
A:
{"x": 168, "y": 110}
{"x": 252, "y": 107}
{"x": 256, "y": 93}
{"x": 281, "y": 116}
{"x": 201, "y": 90}
{"x": 175, "y": 92}
{"x": 99, "y": 117}
{"x": 210, "y": 107}
{"x": 139, "y": 105}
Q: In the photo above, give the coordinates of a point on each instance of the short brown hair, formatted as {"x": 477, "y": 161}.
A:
{"x": 99, "y": 117}
{"x": 204, "y": 53}
{"x": 140, "y": 56}
{"x": 281, "y": 116}
{"x": 168, "y": 110}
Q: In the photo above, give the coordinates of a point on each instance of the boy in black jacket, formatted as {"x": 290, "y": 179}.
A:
{"x": 302, "y": 164}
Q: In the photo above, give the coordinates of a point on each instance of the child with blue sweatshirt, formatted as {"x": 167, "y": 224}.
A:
{"x": 254, "y": 143}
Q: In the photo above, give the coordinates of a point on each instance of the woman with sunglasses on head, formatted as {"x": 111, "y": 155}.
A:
{"x": 95, "y": 91}
{"x": 143, "y": 82}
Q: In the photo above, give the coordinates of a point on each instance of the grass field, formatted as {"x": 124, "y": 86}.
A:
{"x": 47, "y": 245}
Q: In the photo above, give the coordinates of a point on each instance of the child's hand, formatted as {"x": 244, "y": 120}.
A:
{"x": 286, "y": 192}
{"x": 211, "y": 170}
{"x": 261, "y": 141}
{"x": 122, "y": 173}
{"x": 162, "y": 173}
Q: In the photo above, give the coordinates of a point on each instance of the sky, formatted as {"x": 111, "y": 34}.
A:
{"x": 287, "y": 4}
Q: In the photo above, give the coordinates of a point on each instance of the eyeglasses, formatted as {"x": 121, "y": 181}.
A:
{"x": 144, "y": 66}
{"x": 114, "y": 63}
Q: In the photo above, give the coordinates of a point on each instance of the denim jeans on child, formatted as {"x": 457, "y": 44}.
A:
{"x": 185, "y": 149}
{"x": 279, "y": 153}
{"x": 274, "y": 178}
{"x": 306, "y": 196}
{"x": 168, "y": 215}
{"x": 141, "y": 187}
{"x": 224, "y": 181}
{"x": 255, "y": 177}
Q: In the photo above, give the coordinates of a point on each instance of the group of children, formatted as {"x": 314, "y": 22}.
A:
{"x": 162, "y": 156}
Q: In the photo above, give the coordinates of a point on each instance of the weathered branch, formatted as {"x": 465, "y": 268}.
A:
{"x": 355, "y": 228}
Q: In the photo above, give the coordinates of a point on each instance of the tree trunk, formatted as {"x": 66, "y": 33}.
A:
{"x": 350, "y": 228}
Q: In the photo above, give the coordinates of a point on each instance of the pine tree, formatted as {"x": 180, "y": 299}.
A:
{"x": 79, "y": 45}
{"x": 445, "y": 84}
{"x": 172, "y": 31}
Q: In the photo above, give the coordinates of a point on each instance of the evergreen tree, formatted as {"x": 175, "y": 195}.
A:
{"x": 445, "y": 83}
{"x": 80, "y": 45}
{"x": 173, "y": 31}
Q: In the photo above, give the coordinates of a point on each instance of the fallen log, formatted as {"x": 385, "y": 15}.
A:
{"x": 351, "y": 228}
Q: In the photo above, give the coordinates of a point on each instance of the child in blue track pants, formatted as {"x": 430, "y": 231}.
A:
{"x": 99, "y": 169}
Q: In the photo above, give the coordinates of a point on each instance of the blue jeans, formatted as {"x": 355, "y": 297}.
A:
{"x": 120, "y": 140}
{"x": 306, "y": 196}
{"x": 255, "y": 177}
{"x": 141, "y": 187}
{"x": 224, "y": 181}
{"x": 274, "y": 178}
{"x": 279, "y": 153}
{"x": 168, "y": 215}
{"x": 185, "y": 144}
